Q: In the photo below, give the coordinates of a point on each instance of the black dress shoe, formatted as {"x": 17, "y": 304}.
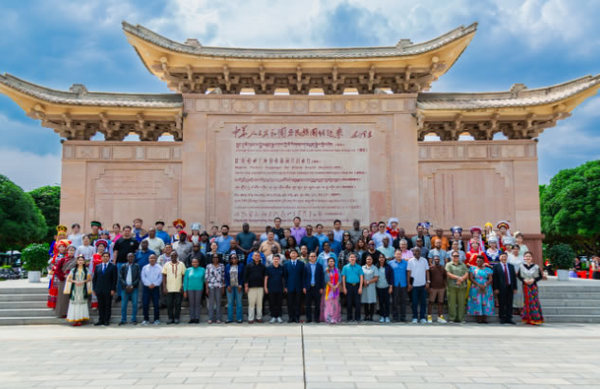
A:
{"x": 176, "y": 321}
{"x": 171, "y": 321}
{"x": 98, "y": 323}
{"x": 106, "y": 324}
{"x": 510, "y": 322}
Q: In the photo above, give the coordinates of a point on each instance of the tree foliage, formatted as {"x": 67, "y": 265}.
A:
{"x": 21, "y": 222}
{"x": 570, "y": 208}
{"x": 47, "y": 199}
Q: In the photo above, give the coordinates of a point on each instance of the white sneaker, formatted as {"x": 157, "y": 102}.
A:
{"x": 429, "y": 319}
{"x": 156, "y": 322}
{"x": 387, "y": 320}
{"x": 423, "y": 321}
{"x": 279, "y": 320}
{"x": 441, "y": 320}
{"x": 145, "y": 323}
{"x": 273, "y": 320}
{"x": 414, "y": 321}
{"x": 382, "y": 319}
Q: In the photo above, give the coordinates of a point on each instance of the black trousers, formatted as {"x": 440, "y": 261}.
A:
{"x": 104, "y": 307}
{"x": 173, "y": 305}
{"x": 275, "y": 302}
{"x": 399, "y": 297}
{"x": 369, "y": 310}
{"x": 505, "y": 302}
{"x": 313, "y": 296}
{"x": 352, "y": 302}
{"x": 384, "y": 301}
{"x": 293, "y": 300}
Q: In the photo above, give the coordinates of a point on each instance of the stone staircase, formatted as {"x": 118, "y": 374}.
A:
{"x": 25, "y": 304}
{"x": 574, "y": 301}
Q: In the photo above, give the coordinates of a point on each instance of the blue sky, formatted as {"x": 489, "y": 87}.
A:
{"x": 59, "y": 43}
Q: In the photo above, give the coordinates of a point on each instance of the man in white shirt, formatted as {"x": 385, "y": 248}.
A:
{"x": 151, "y": 279}
{"x": 380, "y": 234}
{"x": 417, "y": 274}
{"x": 155, "y": 243}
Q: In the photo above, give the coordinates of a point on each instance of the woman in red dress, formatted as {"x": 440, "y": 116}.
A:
{"x": 60, "y": 249}
{"x": 473, "y": 252}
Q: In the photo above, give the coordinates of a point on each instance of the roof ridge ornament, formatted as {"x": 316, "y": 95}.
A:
{"x": 515, "y": 89}
{"x": 193, "y": 42}
{"x": 402, "y": 43}
{"x": 78, "y": 89}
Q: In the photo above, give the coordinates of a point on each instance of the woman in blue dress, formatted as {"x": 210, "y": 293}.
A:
{"x": 481, "y": 298}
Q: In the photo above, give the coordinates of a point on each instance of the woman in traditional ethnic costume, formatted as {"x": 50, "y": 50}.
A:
{"x": 530, "y": 274}
{"x": 331, "y": 311}
{"x": 474, "y": 251}
{"x": 61, "y": 270}
{"x": 493, "y": 253}
{"x": 504, "y": 235}
{"x": 61, "y": 249}
{"x": 489, "y": 233}
{"x": 457, "y": 236}
{"x": 78, "y": 288}
{"x": 476, "y": 237}
{"x": 61, "y": 234}
{"x": 392, "y": 227}
{"x": 481, "y": 298}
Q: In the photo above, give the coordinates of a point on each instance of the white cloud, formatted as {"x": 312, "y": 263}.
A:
{"x": 539, "y": 23}
{"x": 590, "y": 108}
{"x": 550, "y": 23}
{"x": 572, "y": 142}
{"x": 29, "y": 170}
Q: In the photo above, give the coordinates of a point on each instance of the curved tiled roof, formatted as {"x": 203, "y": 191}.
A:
{"x": 518, "y": 96}
{"x": 78, "y": 95}
{"x": 404, "y": 48}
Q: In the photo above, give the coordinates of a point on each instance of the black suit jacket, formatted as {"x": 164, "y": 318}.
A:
{"x": 319, "y": 276}
{"x": 499, "y": 279}
{"x": 104, "y": 282}
{"x": 294, "y": 276}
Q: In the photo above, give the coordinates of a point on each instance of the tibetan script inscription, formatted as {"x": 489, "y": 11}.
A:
{"x": 316, "y": 172}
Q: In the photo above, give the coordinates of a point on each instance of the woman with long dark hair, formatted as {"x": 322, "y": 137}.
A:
{"x": 78, "y": 287}
{"x": 331, "y": 310}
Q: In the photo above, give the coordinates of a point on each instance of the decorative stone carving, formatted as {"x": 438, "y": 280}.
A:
{"x": 528, "y": 127}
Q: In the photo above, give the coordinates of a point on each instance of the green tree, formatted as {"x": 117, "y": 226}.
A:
{"x": 570, "y": 205}
{"x": 47, "y": 199}
{"x": 21, "y": 222}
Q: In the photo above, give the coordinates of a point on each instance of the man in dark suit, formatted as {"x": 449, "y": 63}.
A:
{"x": 104, "y": 285}
{"x": 293, "y": 274}
{"x": 314, "y": 282}
{"x": 505, "y": 286}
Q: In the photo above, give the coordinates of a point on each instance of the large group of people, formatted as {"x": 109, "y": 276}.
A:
{"x": 378, "y": 270}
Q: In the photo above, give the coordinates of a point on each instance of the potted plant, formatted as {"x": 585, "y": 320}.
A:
{"x": 35, "y": 260}
{"x": 562, "y": 258}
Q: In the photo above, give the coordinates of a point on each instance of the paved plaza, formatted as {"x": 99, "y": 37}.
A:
{"x": 293, "y": 356}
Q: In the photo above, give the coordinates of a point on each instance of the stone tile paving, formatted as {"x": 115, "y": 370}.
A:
{"x": 311, "y": 356}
